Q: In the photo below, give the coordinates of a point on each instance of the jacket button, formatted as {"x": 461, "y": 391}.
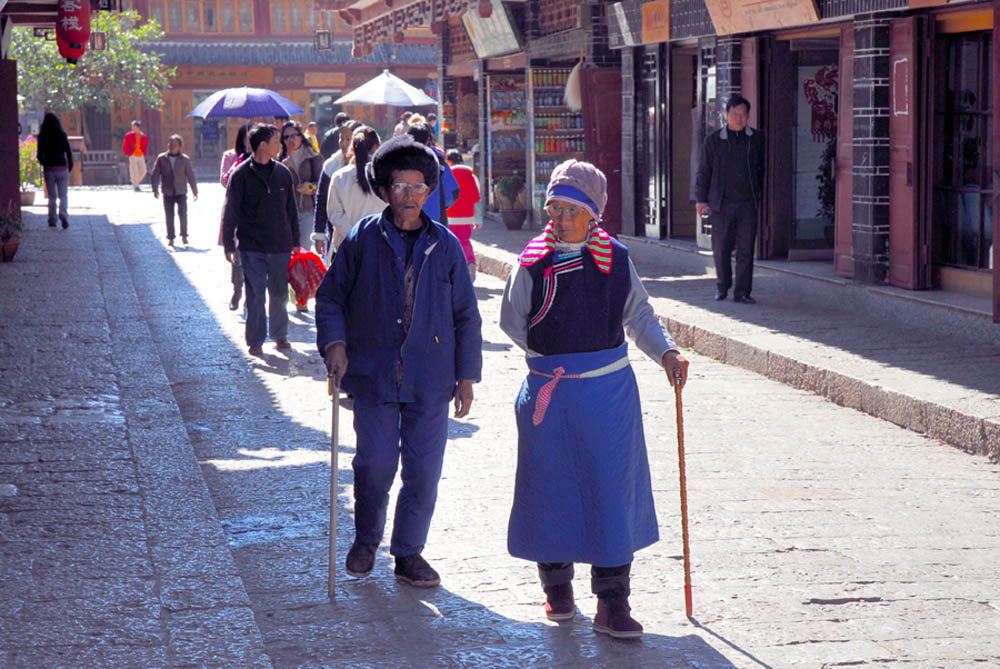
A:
{"x": 399, "y": 321}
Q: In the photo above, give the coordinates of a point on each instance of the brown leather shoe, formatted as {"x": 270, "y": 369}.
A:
{"x": 614, "y": 618}
{"x": 283, "y": 344}
{"x": 559, "y": 602}
{"x": 256, "y": 350}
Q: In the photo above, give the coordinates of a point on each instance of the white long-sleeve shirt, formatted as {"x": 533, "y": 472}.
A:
{"x": 641, "y": 324}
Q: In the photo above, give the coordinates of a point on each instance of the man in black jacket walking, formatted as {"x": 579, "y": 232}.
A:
{"x": 728, "y": 184}
{"x": 260, "y": 217}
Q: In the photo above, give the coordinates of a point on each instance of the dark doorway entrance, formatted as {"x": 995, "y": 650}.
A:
{"x": 963, "y": 140}
{"x": 800, "y": 113}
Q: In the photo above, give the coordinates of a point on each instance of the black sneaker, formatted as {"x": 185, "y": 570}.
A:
{"x": 413, "y": 569}
{"x": 360, "y": 559}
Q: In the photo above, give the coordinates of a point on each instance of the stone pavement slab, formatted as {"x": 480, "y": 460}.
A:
{"x": 111, "y": 553}
{"x": 932, "y": 368}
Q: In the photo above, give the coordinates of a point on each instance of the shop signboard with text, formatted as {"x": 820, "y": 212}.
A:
{"x": 494, "y": 36}
{"x": 745, "y": 16}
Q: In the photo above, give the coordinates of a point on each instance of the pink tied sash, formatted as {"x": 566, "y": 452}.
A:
{"x": 545, "y": 392}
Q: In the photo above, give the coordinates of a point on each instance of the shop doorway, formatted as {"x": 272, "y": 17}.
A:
{"x": 666, "y": 146}
{"x": 210, "y": 138}
{"x": 652, "y": 146}
{"x": 684, "y": 145}
{"x": 800, "y": 115}
{"x": 962, "y": 233}
{"x": 322, "y": 110}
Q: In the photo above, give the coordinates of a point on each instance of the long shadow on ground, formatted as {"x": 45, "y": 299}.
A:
{"x": 268, "y": 469}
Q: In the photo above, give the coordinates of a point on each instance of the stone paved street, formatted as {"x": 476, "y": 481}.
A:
{"x": 820, "y": 536}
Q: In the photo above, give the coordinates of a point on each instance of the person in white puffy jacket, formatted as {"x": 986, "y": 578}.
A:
{"x": 351, "y": 196}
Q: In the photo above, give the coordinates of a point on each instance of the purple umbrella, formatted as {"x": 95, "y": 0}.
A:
{"x": 245, "y": 103}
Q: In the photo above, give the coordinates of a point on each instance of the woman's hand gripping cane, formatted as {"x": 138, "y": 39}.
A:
{"x": 676, "y": 367}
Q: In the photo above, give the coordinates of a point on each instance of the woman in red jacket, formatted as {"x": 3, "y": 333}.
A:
{"x": 462, "y": 214}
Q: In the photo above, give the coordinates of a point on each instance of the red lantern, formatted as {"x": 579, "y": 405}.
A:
{"x": 73, "y": 28}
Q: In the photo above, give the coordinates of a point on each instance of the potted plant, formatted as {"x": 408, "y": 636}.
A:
{"x": 31, "y": 170}
{"x": 10, "y": 231}
{"x": 510, "y": 198}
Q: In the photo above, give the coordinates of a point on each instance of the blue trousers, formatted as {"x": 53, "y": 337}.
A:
{"x": 266, "y": 273}
{"x": 386, "y": 432}
{"x": 56, "y": 185}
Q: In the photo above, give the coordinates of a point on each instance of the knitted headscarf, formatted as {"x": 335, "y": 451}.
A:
{"x": 584, "y": 185}
{"x": 579, "y": 183}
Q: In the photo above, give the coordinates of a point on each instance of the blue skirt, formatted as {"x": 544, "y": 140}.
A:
{"x": 583, "y": 491}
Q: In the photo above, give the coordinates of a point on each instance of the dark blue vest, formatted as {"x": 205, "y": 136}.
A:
{"x": 576, "y": 308}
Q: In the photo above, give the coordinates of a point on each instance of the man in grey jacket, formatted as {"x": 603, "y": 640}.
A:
{"x": 174, "y": 169}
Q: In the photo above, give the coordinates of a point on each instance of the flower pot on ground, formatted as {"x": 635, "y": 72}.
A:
{"x": 27, "y": 198}
{"x": 10, "y": 231}
{"x": 513, "y": 219}
{"x": 509, "y": 194}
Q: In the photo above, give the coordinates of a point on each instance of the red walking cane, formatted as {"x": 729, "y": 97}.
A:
{"x": 334, "y": 391}
{"x": 684, "y": 504}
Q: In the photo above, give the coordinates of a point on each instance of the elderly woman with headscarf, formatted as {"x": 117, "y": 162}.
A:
{"x": 582, "y": 490}
{"x": 399, "y": 306}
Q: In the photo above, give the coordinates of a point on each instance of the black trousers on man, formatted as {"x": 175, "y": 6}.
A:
{"x": 181, "y": 202}
{"x": 734, "y": 227}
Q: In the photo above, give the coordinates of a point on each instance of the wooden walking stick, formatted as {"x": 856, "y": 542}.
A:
{"x": 684, "y": 505}
{"x": 334, "y": 391}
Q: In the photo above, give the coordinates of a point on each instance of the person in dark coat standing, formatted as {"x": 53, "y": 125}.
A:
{"x": 174, "y": 168}
{"x": 397, "y": 320}
{"x": 56, "y": 158}
{"x": 728, "y": 184}
{"x": 331, "y": 140}
{"x": 261, "y": 218}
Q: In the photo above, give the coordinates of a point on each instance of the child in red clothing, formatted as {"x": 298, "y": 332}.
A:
{"x": 462, "y": 214}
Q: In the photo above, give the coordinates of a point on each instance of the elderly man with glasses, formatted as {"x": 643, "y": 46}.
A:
{"x": 582, "y": 491}
{"x": 397, "y": 323}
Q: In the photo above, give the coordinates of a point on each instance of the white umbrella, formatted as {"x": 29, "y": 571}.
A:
{"x": 387, "y": 89}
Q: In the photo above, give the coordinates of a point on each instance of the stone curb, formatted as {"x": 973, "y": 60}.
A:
{"x": 970, "y": 433}
{"x": 206, "y": 609}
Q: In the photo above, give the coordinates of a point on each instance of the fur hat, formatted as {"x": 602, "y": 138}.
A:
{"x": 572, "y": 178}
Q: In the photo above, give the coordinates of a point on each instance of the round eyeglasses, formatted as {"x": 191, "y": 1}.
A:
{"x": 557, "y": 210}
{"x": 413, "y": 189}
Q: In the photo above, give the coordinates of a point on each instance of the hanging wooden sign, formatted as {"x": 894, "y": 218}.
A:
{"x": 655, "y": 21}
{"x": 745, "y": 16}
